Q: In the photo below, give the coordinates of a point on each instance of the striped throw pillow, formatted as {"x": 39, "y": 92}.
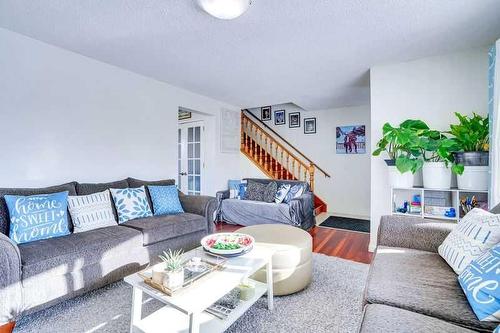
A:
{"x": 91, "y": 211}
{"x": 475, "y": 234}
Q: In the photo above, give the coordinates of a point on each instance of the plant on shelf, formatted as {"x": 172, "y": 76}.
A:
{"x": 471, "y": 135}
{"x": 174, "y": 269}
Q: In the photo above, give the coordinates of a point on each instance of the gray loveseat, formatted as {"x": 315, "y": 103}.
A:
{"x": 39, "y": 274}
{"x": 410, "y": 287}
{"x": 299, "y": 212}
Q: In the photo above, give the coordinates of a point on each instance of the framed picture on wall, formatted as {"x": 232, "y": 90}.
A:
{"x": 279, "y": 117}
{"x": 265, "y": 113}
{"x": 351, "y": 139}
{"x": 294, "y": 119}
{"x": 309, "y": 125}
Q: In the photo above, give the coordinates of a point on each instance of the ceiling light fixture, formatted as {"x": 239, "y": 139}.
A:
{"x": 225, "y": 9}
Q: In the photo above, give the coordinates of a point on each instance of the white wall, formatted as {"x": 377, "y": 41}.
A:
{"x": 67, "y": 117}
{"x": 431, "y": 89}
{"x": 347, "y": 191}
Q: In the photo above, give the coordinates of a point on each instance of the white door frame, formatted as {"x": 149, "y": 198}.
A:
{"x": 186, "y": 170}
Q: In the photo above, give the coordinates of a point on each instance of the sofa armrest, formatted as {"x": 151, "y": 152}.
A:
{"x": 221, "y": 195}
{"x": 302, "y": 211}
{"x": 412, "y": 232}
{"x": 201, "y": 205}
{"x": 10, "y": 280}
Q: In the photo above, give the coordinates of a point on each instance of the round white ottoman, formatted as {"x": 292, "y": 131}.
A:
{"x": 292, "y": 261}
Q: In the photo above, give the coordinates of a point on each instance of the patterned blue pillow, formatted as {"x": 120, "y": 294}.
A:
{"x": 165, "y": 200}
{"x": 130, "y": 203}
{"x": 37, "y": 217}
{"x": 480, "y": 282}
{"x": 234, "y": 188}
{"x": 242, "y": 190}
{"x": 295, "y": 192}
{"x": 283, "y": 190}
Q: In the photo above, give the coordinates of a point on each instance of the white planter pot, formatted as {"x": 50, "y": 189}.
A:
{"x": 436, "y": 175}
{"x": 398, "y": 179}
{"x": 474, "y": 178}
{"x": 174, "y": 279}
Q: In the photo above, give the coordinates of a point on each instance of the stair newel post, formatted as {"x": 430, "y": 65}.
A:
{"x": 311, "y": 176}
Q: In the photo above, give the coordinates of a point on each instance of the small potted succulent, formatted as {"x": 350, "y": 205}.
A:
{"x": 174, "y": 270}
{"x": 401, "y": 145}
{"x": 471, "y": 135}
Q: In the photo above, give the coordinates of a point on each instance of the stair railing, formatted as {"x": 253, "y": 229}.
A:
{"x": 271, "y": 156}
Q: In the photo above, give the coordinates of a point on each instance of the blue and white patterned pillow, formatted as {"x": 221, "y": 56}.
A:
{"x": 283, "y": 190}
{"x": 480, "y": 282}
{"x": 242, "y": 190}
{"x": 165, "y": 200}
{"x": 37, "y": 217}
{"x": 295, "y": 192}
{"x": 475, "y": 234}
{"x": 131, "y": 203}
{"x": 234, "y": 188}
{"x": 91, "y": 211}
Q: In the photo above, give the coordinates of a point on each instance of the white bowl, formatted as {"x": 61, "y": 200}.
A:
{"x": 229, "y": 235}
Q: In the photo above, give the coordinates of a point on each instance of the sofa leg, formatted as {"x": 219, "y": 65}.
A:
{"x": 7, "y": 328}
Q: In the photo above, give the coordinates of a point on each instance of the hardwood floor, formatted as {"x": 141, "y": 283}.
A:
{"x": 333, "y": 242}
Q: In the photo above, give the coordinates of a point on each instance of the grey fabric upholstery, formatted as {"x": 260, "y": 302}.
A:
{"x": 10, "y": 280}
{"x": 91, "y": 188}
{"x": 159, "y": 228}
{"x": 496, "y": 209}
{"x": 4, "y": 212}
{"x": 422, "y": 282}
{"x": 133, "y": 182}
{"x": 387, "y": 319}
{"x": 299, "y": 212}
{"x": 260, "y": 192}
{"x": 61, "y": 255}
{"x": 412, "y": 232}
{"x": 201, "y": 205}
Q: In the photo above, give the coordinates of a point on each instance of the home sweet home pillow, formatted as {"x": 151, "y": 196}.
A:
{"x": 91, "y": 211}
{"x": 475, "y": 234}
{"x": 37, "y": 217}
{"x": 480, "y": 282}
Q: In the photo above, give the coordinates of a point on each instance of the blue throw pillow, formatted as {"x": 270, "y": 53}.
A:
{"x": 295, "y": 192}
{"x": 234, "y": 188}
{"x": 283, "y": 190}
{"x": 165, "y": 200}
{"x": 480, "y": 283}
{"x": 37, "y": 217}
{"x": 130, "y": 203}
{"x": 242, "y": 191}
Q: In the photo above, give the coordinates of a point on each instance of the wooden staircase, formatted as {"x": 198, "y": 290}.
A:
{"x": 266, "y": 149}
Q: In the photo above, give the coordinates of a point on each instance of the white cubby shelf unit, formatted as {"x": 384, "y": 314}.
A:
{"x": 433, "y": 200}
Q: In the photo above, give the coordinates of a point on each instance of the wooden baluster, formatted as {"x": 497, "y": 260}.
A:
{"x": 287, "y": 166}
{"x": 282, "y": 172}
{"x": 271, "y": 161}
{"x": 305, "y": 173}
{"x": 311, "y": 176}
{"x": 293, "y": 168}
{"x": 249, "y": 144}
{"x": 261, "y": 149}
{"x": 266, "y": 156}
{"x": 253, "y": 140}
{"x": 242, "y": 130}
{"x": 277, "y": 163}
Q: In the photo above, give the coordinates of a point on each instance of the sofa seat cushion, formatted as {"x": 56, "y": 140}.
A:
{"x": 248, "y": 212}
{"x": 162, "y": 227}
{"x": 70, "y": 253}
{"x": 421, "y": 282}
{"x": 382, "y": 318}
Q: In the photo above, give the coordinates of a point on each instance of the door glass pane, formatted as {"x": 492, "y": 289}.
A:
{"x": 197, "y": 183}
{"x": 197, "y": 150}
{"x": 190, "y": 134}
{"x": 197, "y": 134}
{"x": 190, "y": 183}
{"x": 197, "y": 167}
{"x": 179, "y": 136}
{"x": 190, "y": 150}
{"x": 190, "y": 167}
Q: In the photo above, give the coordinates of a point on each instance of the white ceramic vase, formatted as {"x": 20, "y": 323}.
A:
{"x": 398, "y": 179}
{"x": 436, "y": 175}
{"x": 174, "y": 279}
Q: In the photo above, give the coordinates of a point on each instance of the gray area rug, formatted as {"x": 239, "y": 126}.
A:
{"x": 332, "y": 303}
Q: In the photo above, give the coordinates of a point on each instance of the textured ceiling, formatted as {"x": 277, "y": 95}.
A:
{"x": 313, "y": 53}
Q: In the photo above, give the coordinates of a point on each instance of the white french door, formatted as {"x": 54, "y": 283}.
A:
{"x": 190, "y": 157}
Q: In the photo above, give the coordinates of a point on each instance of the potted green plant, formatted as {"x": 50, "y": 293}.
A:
{"x": 471, "y": 135}
{"x": 401, "y": 146}
{"x": 174, "y": 270}
{"x": 437, "y": 152}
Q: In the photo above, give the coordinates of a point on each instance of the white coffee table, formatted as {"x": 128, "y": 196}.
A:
{"x": 185, "y": 310}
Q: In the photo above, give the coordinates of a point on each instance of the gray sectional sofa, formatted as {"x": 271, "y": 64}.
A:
{"x": 410, "y": 287}
{"x": 299, "y": 212}
{"x": 39, "y": 274}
